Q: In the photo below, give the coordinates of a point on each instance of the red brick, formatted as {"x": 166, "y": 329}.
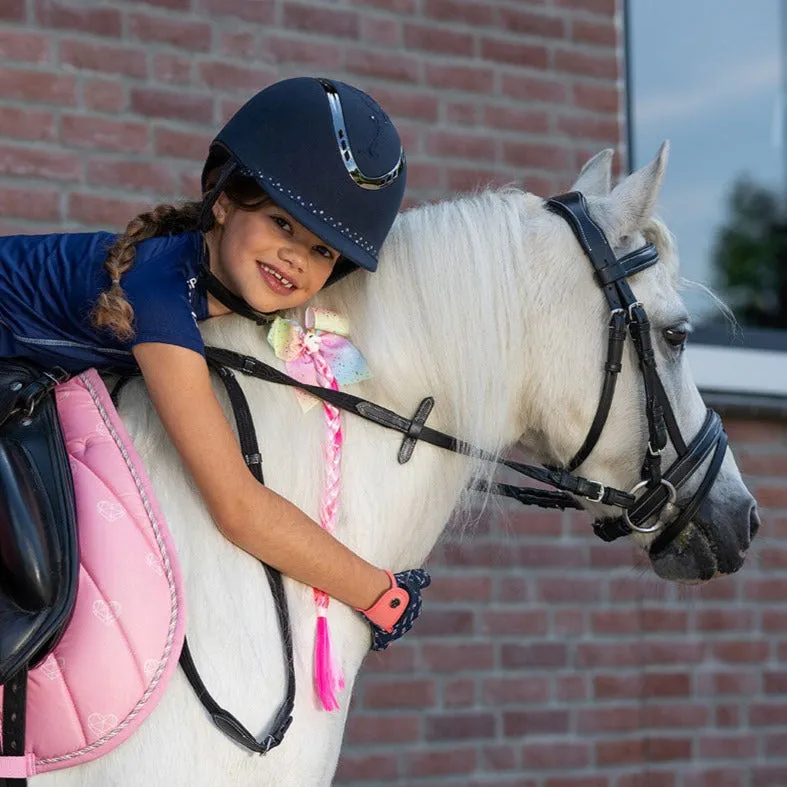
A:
{"x": 649, "y": 778}
{"x": 173, "y": 5}
{"x": 568, "y": 590}
{"x": 370, "y": 63}
{"x": 533, "y": 122}
{"x": 741, "y": 652}
{"x": 675, "y": 715}
{"x": 356, "y": 768}
{"x": 389, "y": 728}
{"x": 578, "y": 781}
{"x": 28, "y": 124}
{"x": 602, "y": 34}
{"x": 94, "y": 132}
{"x": 466, "y": 588}
{"x": 514, "y": 691}
{"x": 470, "y": 13}
{"x": 446, "y": 622}
{"x": 332, "y": 22}
{"x": 535, "y": 722}
{"x": 500, "y": 758}
{"x": 46, "y": 87}
{"x": 668, "y": 749}
{"x": 459, "y": 693}
{"x": 397, "y": 6}
{"x": 100, "y": 210}
{"x": 725, "y": 619}
{"x": 67, "y": 16}
{"x": 392, "y": 660}
{"x": 173, "y": 69}
{"x": 399, "y": 694}
{"x": 722, "y": 747}
{"x": 464, "y": 113}
{"x": 555, "y": 756}
{"x": 728, "y": 683}
{"x": 178, "y": 32}
{"x": 381, "y": 32}
{"x": 622, "y": 718}
{"x": 260, "y": 11}
{"x": 605, "y": 8}
{"x": 440, "y": 762}
{"x": 241, "y": 44}
{"x": 538, "y": 155}
{"x": 172, "y": 105}
{"x": 472, "y": 79}
{"x": 33, "y": 204}
{"x": 107, "y": 59}
{"x": 463, "y": 179}
{"x": 775, "y": 744}
{"x": 620, "y": 752}
{"x": 640, "y": 588}
{"x": 532, "y": 23}
{"x": 38, "y": 163}
{"x": 537, "y": 654}
{"x": 104, "y": 95}
{"x": 286, "y": 49}
{"x": 429, "y": 38}
{"x": 598, "y": 98}
{"x": 728, "y": 776}
{"x": 728, "y": 715}
{"x": 24, "y": 46}
{"x": 13, "y": 11}
{"x": 526, "y": 622}
{"x": 602, "y": 66}
{"x": 774, "y": 620}
{"x": 658, "y": 619}
{"x": 502, "y": 50}
{"x": 461, "y": 656}
{"x": 459, "y": 726}
{"x": 771, "y": 714}
{"x": 616, "y": 622}
{"x": 463, "y": 145}
{"x": 132, "y": 176}
{"x": 590, "y": 127}
{"x": 771, "y": 496}
{"x": 568, "y": 622}
{"x": 570, "y": 688}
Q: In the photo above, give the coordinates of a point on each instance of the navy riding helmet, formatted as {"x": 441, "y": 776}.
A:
{"x": 328, "y": 154}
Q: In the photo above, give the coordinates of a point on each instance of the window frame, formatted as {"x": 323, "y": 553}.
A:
{"x": 740, "y": 367}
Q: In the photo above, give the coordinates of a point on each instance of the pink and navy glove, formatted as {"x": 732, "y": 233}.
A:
{"x": 394, "y": 613}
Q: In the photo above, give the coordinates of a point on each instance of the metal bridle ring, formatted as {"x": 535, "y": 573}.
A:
{"x": 673, "y": 496}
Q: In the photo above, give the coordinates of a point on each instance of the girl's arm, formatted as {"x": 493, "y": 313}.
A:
{"x": 245, "y": 511}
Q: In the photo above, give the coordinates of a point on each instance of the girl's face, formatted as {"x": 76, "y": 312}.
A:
{"x": 266, "y": 257}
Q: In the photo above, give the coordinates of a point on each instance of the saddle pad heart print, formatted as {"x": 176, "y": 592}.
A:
{"x": 112, "y": 664}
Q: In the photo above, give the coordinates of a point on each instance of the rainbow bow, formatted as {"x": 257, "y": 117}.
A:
{"x": 325, "y": 333}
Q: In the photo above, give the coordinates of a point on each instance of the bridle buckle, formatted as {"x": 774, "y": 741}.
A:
{"x": 672, "y": 497}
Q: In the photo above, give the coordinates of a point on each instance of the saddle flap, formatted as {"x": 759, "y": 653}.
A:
{"x": 27, "y": 574}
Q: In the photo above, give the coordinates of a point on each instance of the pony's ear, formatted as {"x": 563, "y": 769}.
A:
{"x": 633, "y": 200}
{"x": 595, "y": 178}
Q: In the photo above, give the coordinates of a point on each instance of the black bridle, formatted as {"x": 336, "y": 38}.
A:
{"x": 642, "y": 503}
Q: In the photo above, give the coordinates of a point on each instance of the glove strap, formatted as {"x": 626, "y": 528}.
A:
{"x": 386, "y": 611}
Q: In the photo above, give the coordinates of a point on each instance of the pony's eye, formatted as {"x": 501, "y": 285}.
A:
{"x": 676, "y": 337}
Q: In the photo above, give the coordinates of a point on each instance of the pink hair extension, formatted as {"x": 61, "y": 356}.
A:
{"x": 328, "y": 677}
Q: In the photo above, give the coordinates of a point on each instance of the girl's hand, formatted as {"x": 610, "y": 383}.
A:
{"x": 394, "y": 613}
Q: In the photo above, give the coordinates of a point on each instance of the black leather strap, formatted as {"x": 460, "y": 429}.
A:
{"x": 14, "y": 717}
{"x": 208, "y": 282}
{"x": 222, "y": 718}
{"x": 414, "y": 432}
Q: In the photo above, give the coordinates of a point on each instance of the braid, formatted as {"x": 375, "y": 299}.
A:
{"x": 112, "y": 310}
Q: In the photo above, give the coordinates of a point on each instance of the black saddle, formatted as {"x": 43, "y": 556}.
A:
{"x": 39, "y": 552}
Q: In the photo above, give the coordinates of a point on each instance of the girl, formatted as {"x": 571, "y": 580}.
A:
{"x": 300, "y": 188}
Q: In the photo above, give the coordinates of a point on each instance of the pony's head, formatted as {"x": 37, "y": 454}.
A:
{"x": 563, "y": 392}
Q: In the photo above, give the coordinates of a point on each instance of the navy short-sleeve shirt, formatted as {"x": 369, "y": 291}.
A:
{"x": 49, "y": 284}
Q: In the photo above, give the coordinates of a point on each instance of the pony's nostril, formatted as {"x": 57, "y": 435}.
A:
{"x": 754, "y": 521}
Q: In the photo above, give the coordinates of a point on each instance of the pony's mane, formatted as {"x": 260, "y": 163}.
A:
{"x": 443, "y": 315}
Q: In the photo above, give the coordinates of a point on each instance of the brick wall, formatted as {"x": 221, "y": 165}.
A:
{"x": 544, "y": 657}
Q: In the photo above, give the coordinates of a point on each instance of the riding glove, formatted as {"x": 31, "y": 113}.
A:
{"x": 394, "y": 613}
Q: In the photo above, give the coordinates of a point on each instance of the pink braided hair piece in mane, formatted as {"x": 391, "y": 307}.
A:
{"x": 322, "y": 355}
{"x": 327, "y": 674}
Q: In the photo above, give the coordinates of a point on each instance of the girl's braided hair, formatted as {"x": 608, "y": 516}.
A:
{"x": 112, "y": 311}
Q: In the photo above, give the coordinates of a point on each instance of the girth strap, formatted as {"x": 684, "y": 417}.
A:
{"x": 14, "y": 717}
{"x": 222, "y": 718}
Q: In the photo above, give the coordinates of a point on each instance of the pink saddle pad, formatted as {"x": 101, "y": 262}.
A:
{"x": 111, "y": 667}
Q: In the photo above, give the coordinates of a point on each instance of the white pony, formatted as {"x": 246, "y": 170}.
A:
{"x": 487, "y": 303}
